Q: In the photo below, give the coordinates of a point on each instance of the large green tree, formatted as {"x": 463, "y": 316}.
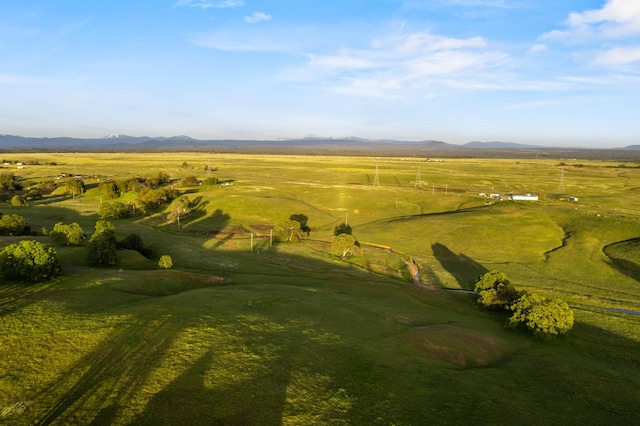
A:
{"x": 29, "y": 260}
{"x": 13, "y": 224}
{"x": 288, "y": 230}
{"x": 69, "y": 234}
{"x": 103, "y": 244}
{"x": 114, "y": 209}
{"x": 344, "y": 245}
{"x": 179, "y": 209}
{"x": 496, "y": 291}
{"x": 109, "y": 190}
{"x": 74, "y": 186}
{"x": 543, "y": 316}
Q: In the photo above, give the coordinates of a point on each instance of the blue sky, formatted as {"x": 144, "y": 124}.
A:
{"x": 557, "y": 73}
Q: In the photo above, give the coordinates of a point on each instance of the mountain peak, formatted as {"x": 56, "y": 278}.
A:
{"x": 114, "y": 136}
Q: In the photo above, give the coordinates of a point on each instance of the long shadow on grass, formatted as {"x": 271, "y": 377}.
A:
{"x": 464, "y": 269}
{"x": 110, "y": 375}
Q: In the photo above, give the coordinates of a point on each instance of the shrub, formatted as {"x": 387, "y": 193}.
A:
{"x": 165, "y": 261}
{"x": 18, "y": 201}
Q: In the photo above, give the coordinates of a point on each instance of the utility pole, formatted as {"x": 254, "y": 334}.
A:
{"x": 418, "y": 182}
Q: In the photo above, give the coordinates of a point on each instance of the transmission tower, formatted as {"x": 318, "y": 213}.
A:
{"x": 418, "y": 183}
{"x": 561, "y": 183}
{"x": 376, "y": 178}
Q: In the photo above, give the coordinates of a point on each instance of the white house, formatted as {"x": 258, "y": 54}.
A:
{"x": 525, "y": 197}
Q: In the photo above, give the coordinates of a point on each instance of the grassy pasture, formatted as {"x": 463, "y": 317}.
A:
{"x": 291, "y": 335}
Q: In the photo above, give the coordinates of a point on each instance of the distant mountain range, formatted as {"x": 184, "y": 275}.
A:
{"x": 317, "y": 144}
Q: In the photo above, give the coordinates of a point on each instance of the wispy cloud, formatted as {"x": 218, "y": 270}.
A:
{"x": 257, "y": 17}
{"x": 618, "y": 56}
{"x": 611, "y": 32}
{"x": 616, "y": 19}
{"x": 397, "y": 65}
{"x": 206, "y": 4}
{"x": 535, "y": 104}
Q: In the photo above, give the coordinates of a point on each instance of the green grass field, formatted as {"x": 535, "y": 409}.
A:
{"x": 289, "y": 334}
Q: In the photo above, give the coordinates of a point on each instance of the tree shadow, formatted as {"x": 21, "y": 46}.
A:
{"x": 464, "y": 269}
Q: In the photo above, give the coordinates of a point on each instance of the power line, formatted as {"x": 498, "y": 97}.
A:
{"x": 376, "y": 178}
{"x": 418, "y": 183}
{"x": 561, "y": 188}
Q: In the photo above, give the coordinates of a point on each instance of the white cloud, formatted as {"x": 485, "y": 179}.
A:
{"x": 616, "y": 19}
{"x": 206, "y": 4}
{"x": 618, "y": 56}
{"x": 538, "y": 47}
{"x": 257, "y": 17}
{"x": 395, "y": 66}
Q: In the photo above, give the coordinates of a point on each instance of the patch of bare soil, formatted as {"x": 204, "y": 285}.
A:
{"x": 455, "y": 345}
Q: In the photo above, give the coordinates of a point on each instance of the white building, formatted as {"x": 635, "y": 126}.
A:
{"x": 525, "y": 197}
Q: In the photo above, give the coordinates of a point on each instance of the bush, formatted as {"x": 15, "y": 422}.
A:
{"x": 191, "y": 181}
{"x": 18, "y": 201}
{"x": 165, "y": 261}
{"x": 29, "y": 260}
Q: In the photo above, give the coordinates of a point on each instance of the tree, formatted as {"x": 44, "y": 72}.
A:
{"x": 9, "y": 183}
{"x": 288, "y": 230}
{"x": 103, "y": 244}
{"x": 74, "y": 186}
{"x": 29, "y": 260}
{"x": 165, "y": 261}
{"x": 344, "y": 245}
{"x": 18, "y": 201}
{"x": 303, "y": 220}
{"x": 544, "y": 317}
{"x": 70, "y": 234}
{"x": 191, "y": 181}
{"x": 13, "y": 224}
{"x": 156, "y": 197}
{"x": 179, "y": 208}
{"x": 343, "y": 228}
{"x": 114, "y": 209}
{"x": 109, "y": 190}
{"x": 495, "y": 290}
{"x": 134, "y": 242}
